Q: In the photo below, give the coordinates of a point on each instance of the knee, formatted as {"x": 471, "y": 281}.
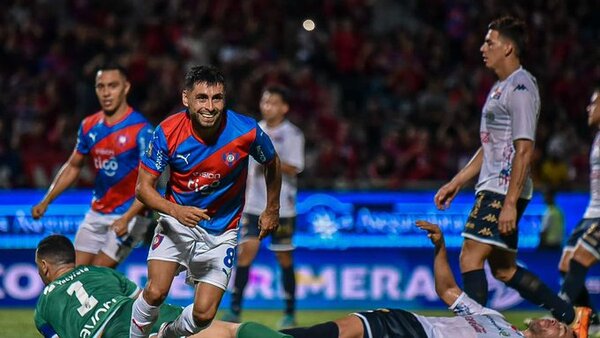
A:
{"x": 284, "y": 258}
{"x": 154, "y": 294}
{"x": 504, "y": 274}
{"x": 203, "y": 317}
{"x": 470, "y": 262}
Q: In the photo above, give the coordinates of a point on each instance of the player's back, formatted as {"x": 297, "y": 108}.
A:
{"x": 80, "y": 302}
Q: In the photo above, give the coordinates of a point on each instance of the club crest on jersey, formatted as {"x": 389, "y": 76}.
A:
{"x": 156, "y": 241}
{"x": 122, "y": 139}
{"x": 230, "y": 158}
{"x": 496, "y": 94}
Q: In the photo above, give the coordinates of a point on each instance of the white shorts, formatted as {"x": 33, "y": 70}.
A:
{"x": 207, "y": 258}
{"x": 95, "y": 235}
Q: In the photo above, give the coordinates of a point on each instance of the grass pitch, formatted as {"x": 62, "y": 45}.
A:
{"x": 18, "y": 323}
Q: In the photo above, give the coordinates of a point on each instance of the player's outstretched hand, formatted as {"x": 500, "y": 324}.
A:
{"x": 433, "y": 232}
{"x": 119, "y": 226}
{"x": 190, "y": 216}
{"x": 445, "y": 195}
{"x": 38, "y": 210}
{"x": 268, "y": 222}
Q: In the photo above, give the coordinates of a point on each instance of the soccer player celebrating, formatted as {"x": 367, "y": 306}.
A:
{"x": 207, "y": 149}
{"x": 583, "y": 247}
{"x": 91, "y": 301}
{"x": 115, "y": 138}
{"x": 289, "y": 144}
{"x": 472, "y": 320}
{"x": 507, "y": 132}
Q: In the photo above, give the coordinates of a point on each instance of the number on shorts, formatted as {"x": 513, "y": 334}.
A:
{"x": 229, "y": 258}
{"x": 87, "y": 302}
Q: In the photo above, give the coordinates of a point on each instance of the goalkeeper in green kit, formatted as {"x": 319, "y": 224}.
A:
{"x": 92, "y": 302}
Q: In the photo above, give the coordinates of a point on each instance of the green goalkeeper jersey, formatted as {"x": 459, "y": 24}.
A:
{"x": 82, "y": 301}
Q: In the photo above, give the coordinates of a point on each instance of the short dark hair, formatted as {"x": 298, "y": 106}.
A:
{"x": 203, "y": 74}
{"x": 513, "y": 29}
{"x": 280, "y": 90}
{"x": 57, "y": 249}
{"x": 111, "y": 65}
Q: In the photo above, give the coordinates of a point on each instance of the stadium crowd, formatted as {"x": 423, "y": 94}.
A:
{"x": 388, "y": 93}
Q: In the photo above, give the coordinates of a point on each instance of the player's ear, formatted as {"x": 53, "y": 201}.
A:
{"x": 184, "y": 98}
{"x": 127, "y": 87}
{"x": 509, "y": 49}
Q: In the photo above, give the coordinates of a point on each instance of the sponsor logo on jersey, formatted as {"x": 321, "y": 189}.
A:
{"x": 484, "y": 136}
{"x": 520, "y": 86}
{"x": 195, "y": 184}
{"x": 184, "y": 157}
{"x": 231, "y": 157}
{"x": 108, "y": 165}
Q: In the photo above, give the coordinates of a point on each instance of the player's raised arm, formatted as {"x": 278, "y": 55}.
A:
{"x": 67, "y": 175}
{"x": 269, "y": 219}
{"x": 445, "y": 285}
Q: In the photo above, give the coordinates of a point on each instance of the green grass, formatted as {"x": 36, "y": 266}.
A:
{"x": 19, "y": 323}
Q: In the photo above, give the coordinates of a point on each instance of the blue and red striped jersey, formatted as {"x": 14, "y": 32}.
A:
{"x": 115, "y": 150}
{"x": 208, "y": 176}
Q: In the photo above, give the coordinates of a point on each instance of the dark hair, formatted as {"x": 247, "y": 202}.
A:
{"x": 513, "y": 29}
{"x": 111, "y": 65}
{"x": 203, "y": 74}
{"x": 57, "y": 249}
{"x": 282, "y": 91}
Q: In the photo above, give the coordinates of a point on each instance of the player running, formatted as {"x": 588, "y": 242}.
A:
{"x": 207, "y": 149}
{"x": 114, "y": 138}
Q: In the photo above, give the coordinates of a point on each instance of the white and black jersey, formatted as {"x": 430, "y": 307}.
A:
{"x": 289, "y": 145}
{"x": 510, "y": 113}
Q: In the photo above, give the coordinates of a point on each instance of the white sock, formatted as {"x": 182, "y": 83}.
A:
{"x": 143, "y": 316}
{"x": 184, "y": 325}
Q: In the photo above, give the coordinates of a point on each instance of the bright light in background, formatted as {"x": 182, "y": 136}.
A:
{"x": 308, "y": 25}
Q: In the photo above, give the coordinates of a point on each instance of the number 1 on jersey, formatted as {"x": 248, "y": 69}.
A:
{"x": 87, "y": 302}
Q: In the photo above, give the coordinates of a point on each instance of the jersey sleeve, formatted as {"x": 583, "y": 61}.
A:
{"x": 42, "y": 326}
{"x": 523, "y": 107}
{"x": 144, "y": 137}
{"x": 294, "y": 154}
{"x": 262, "y": 149}
{"x": 156, "y": 156}
{"x": 82, "y": 146}
{"x": 465, "y": 306}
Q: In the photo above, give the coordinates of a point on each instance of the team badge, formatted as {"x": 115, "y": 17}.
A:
{"x": 122, "y": 140}
{"x": 156, "y": 241}
{"x": 230, "y": 158}
{"x": 496, "y": 94}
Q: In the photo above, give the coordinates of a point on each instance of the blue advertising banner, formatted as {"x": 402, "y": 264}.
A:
{"x": 326, "y": 279}
{"x": 327, "y": 219}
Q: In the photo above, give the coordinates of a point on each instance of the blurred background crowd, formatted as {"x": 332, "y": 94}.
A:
{"x": 387, "y": 92}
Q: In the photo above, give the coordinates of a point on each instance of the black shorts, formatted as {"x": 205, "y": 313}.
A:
{"x": 482, "y": 224}
{"x": 390, "y": 323}
{"x": 281, "y": 240}
{"x": 587, "y": 232}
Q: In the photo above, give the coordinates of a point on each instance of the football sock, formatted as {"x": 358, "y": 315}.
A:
{"x": 574, "y": 282}
{"x": 534, "y": 290}
{"x": 184, "y": 324}
{"x": 323, "y": 330}
{"x": 256, "y": 330}
{"x": 289, "y": 286}
{"x": 241, "y": 279}
{"x": 476, "y": 286}
{"x": 582, "y": 300}
{"x": 143, "y": 316}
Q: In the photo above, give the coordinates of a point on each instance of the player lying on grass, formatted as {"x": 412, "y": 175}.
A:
{"x": 471, "y": 320}
{"x": 91, "y": 301}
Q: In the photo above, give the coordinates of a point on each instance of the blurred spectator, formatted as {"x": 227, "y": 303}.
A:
{"x": 553, "y": 223}
{"x": 369, "y": 72}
